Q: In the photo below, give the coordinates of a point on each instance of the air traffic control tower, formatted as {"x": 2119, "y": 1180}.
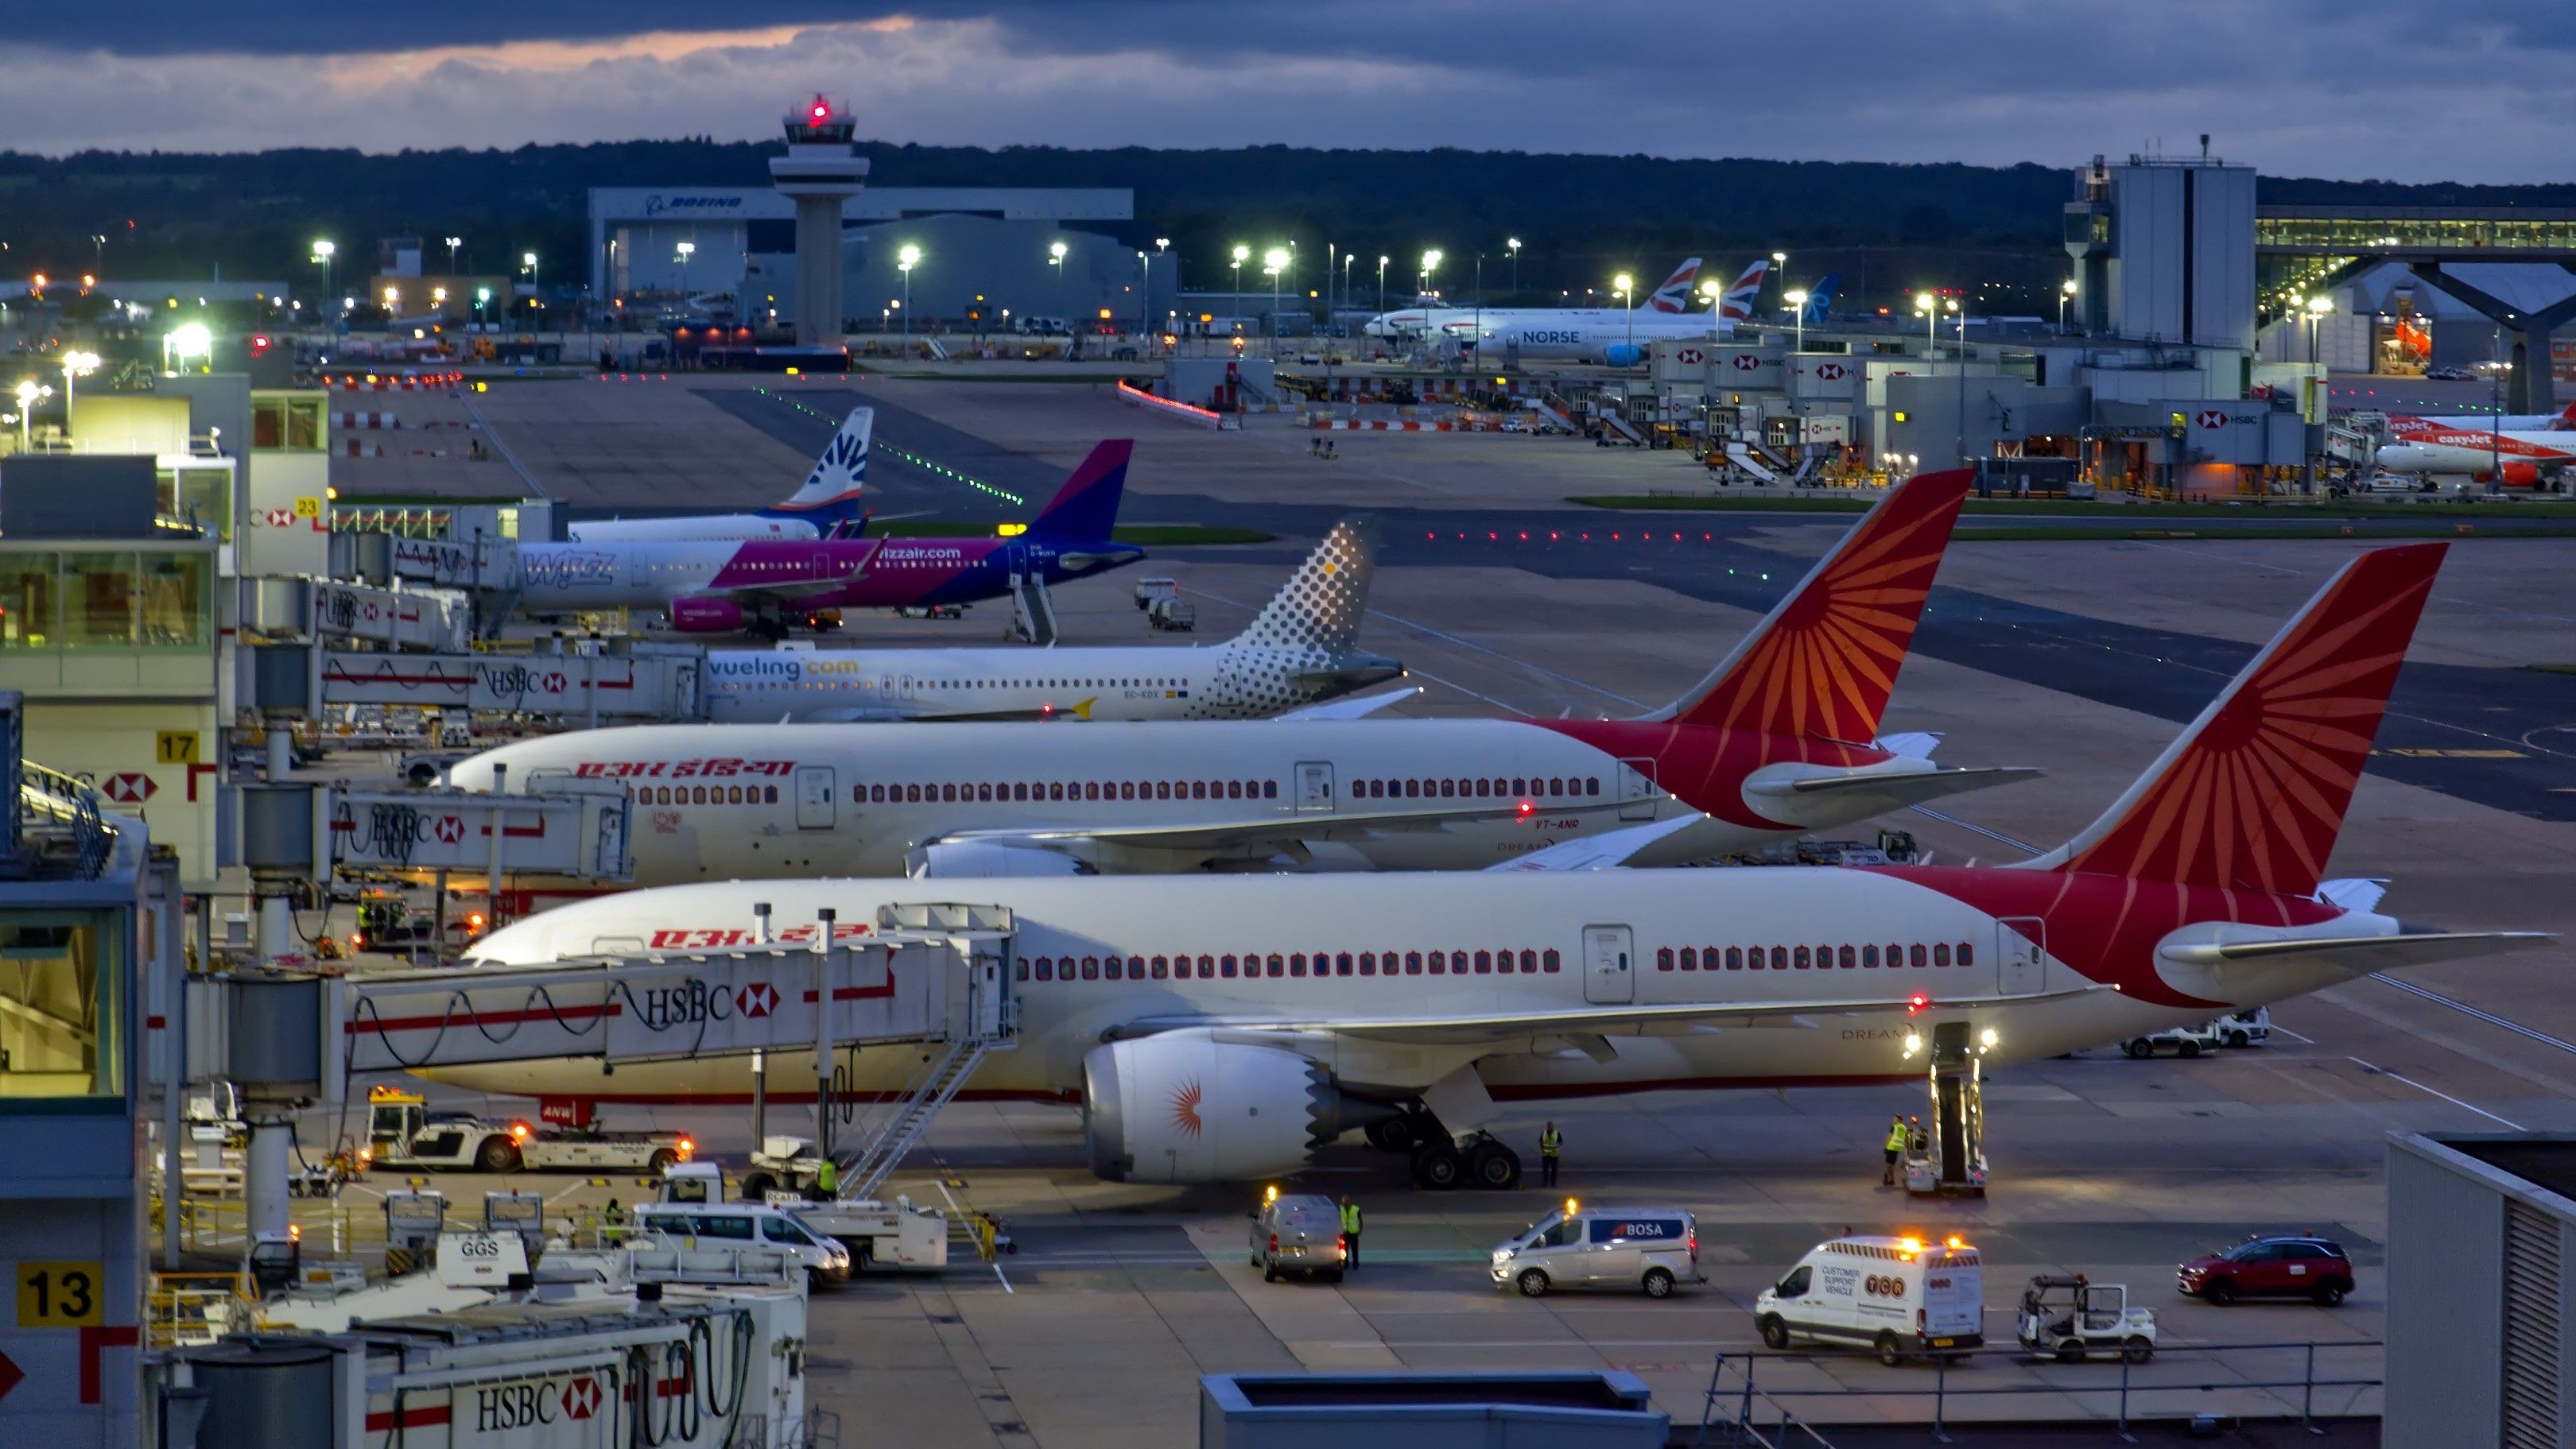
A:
{"x": 821, "y": 172}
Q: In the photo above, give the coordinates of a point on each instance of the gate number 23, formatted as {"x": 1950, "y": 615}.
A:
{"x": 60, "y": 1295}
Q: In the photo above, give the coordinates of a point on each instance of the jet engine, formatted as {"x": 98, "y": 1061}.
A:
{"x": 987, "y": 859}
{"x": 1623, "y": 354}
{"x": 1184, "y": 1107}
{"x": 706, "y": 616}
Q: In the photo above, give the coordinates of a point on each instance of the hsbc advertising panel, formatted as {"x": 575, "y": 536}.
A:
{"x": 1720, "y": 366}
{"x": 1823, "y": 379}
{"x": 574, "y": 1409}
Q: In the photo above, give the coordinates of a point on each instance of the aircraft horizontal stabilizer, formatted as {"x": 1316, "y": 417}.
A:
{"x": 2361, "y": 954}
{"x": 1607, "y": 851}
{"x": 1901, "y": 789}
{"x": 1266, "y": 835}
{"x": 1356, "y": 707}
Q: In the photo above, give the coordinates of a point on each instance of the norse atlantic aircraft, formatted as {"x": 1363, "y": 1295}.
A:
{"x": 765, "y": 584}
{"x": 829, "y": 499}
{"x": 1673, "y": 299}
{"x": 1781, "y": 739}
{"x": 1609, "y": 335}
{"x": 1219, "y": 1028}
{"x": 1300, "y": 651}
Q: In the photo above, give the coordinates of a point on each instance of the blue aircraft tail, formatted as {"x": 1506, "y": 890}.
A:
{"x": 832, "y": 495}
{"x": 1085, "y": 509}
{"x": 1821, "y": 296}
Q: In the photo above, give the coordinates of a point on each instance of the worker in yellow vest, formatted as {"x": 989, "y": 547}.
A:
{"x": 1350, "y": 1232}
{"x": 1550, "y": 1144}
{"x": 1895, "y": 1149}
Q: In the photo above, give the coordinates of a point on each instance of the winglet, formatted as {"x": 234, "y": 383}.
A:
{"x": 2254, "y": 792}
{"x": 1085, "y": 509}
{"x": 1824, "y": 661}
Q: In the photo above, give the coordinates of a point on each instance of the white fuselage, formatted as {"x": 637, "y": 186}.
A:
{"x": 1234, "y": 680}
{"x": 718, "y": 802}
{"x": 1588, "y": 335}
{"x": 619, "y": 573}
{"x": 1095, "y": 953}
{"x": 730, "y": 527}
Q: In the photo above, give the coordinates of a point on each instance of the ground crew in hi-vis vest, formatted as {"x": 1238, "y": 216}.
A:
{"x": 1550, "y": 1143}
{"x": 1350, "y": 1232}
{"x": 1895, "y": 1149}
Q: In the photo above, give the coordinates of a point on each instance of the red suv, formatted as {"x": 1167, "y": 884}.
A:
{"x": 2287, "y": 1267}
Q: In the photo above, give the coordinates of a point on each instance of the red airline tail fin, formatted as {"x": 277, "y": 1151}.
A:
{"x": 1824, "y": 661}
{"x": 2253, "y": 794}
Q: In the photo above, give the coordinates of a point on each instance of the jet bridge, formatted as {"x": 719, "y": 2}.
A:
{"x": 919, "y": 973}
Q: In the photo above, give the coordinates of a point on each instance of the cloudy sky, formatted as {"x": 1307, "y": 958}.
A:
{"x": 2339, "y": 88}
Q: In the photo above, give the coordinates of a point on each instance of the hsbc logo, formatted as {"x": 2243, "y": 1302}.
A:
{"x": 504, "y": 1407}
{"x": 2211, "y": 418}
{"x": 1744, "y": 362}
{"x": 1832, "y": 372}
{"x": 1690, "y": 356}
{"x": 756, "y": 1000}
{"x": 450, "y": 829}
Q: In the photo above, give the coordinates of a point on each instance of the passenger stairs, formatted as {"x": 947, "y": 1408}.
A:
{"x": 865, "y": 1169}
{"x": 1611, "y": 419}
{"x": 1032, "y": 612}
{"x": 1740, "y": 453}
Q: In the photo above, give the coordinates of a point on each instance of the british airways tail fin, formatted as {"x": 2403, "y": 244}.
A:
{"x": 1820, "y": 297}
{"x": 1674, "y": 296}
{"x": 831, "y": 492}
{"x": 1737, "y": 304}
{"x": 2253, "y": 793}
{"x": 1824, "y": 661}
{"x": 1085, "y": 509}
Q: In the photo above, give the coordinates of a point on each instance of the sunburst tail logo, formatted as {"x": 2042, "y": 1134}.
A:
{"x": 1185, "y": 1109}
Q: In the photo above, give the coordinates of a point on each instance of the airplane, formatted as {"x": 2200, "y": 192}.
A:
{"x": 829, "y": 499}
{"x": 763, "y": 584}
{"x": 1673, "y": 299}
{"x": 1222, "y": 1028}
{"x": 1609, "y": 335}
{"x": 1820, "y": 297}
{"x": 2561, "y": 421}
{"x": 1780, "y": 740}
{"x": 1301, "y": 650}
{"x": 2422, "y": 445}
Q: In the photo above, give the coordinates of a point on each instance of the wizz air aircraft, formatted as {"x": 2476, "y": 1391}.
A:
{"x": 1607, "y": 334}
{"x": 829, "y": 500}
{"x": 1780, "y": 740}
{"x": 1219, "y": 1028}
{"x": 764, "y": 584}
{"x": 1300, "y": 651}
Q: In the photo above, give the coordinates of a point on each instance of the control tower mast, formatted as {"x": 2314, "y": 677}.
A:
{"x": 821, "y": 172}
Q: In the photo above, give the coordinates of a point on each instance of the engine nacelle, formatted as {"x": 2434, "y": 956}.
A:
{"x": 987, "y": 859}
{"x": 1184, "y": 1107}
{"x": 706, "y": 616}
{"x": 1623, "y": 354}
{"x": 2516, "y": 475}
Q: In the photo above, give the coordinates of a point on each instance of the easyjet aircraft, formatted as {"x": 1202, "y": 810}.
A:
{"x": 1779, "y": 741}
{"x": 1222, "y": 1028}
{"x": 2427, "y": 445}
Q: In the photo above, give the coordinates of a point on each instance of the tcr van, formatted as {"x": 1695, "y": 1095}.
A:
{"x": 1895, "y": 1295}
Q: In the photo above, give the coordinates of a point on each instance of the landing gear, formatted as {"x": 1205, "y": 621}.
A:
{"x": 1438, "y": 1167}
{"x": 1401, "y": 1133}
{"x": 1493, "y": 1167}
{"x": 1440, "y": 1164}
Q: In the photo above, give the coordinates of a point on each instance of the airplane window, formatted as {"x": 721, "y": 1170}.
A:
{"x": 1276, "y": 966}
{"x": 1529, "y": 960}
{"x": 1779, "y": 958}
{"x": 1113, "y": 968}
{"x": 1734, "y": 958}
{"x": 1484, "y": 963}
{"x": 1091, "y": 790}
{"x": 1412, "y": 788}
{"x": 1160, "y": 967}
{"x": 1967, "y": 955}
{"x": 1868, "y": 956}
{"x": 1592, "y": 785}
{"x": 697, "y": 794}
{"x": 1448, "y": 788}
{"x": 911, "y": 793}
{"x": 1046, "y": 968}
{"x": 1020, "y": 790}
{"x": 1664, "y": 958}
{"x": 1412, "y": 963}
{"x": 1359, "y": 789}
{"x": 1198, "y": 789}
{"x": 1849, "y": 958}
{"x": 1234, "y": 789}
{"x": 1207, "y": 967}
{"x": 1918, "y": 953}
{"x": 1941, "y": 953}
{"x": 1055, "y": 790}
{"x": 733, "y": 794}
{"x": 1439, "y": 962}
{"x": 1090, "y": 968}
{"x": 1162, "y": 789}
{"x": 1549, "y": 961}
{"x": 1135, "y": 968}
{"x": 1024, "y": 968}
{"x": 1127, "y": 790}
{"x": 1225, "y": 966}
{"x": 1798, "y": 958}
{"x": 984, "y": 792}
{"x": 769, "y": 794}
{"x": 948, "y": 793}
{"x": 1499, "y": 787}
{"x": 1895, "y": 957}
{"x": 1269, "y": 789}
{"x": 1341, "y": 964}
{"x": 1296, "y": 964}
{"x": 1690, "y": 958}
{"x": 1555, "y": 786}
{"x": 1519, "y": 785}
{"x": 1368, "y": 963}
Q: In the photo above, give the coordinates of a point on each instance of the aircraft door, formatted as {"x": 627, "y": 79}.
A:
{"x": 1637, "y": 790}
{"x": 1314, "y": 787}
{"x": 1609, "y": 973}
{"x": 2021, "y": 956}
{"x": 815, "y": 796}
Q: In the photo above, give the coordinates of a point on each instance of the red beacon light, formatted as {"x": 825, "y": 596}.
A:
{"x": 1916, "y": 1003}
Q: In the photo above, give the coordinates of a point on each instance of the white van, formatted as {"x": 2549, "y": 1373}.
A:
{"x": 730, "y": 1224}
{"x": 1896, "y": 1295}
{"x": 1649, "y": 1249}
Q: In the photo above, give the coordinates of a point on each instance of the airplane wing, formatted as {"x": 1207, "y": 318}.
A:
{"x": 1277, "y": 832}
{"x": 1355, "y": 707}
{"x": 783, "y": 591}
{"x": 1900, "y": 790}
{"x": 1471, "y": 1028}
{"x": 2364, "y": 953}
{"x": 1607, "y": 851}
